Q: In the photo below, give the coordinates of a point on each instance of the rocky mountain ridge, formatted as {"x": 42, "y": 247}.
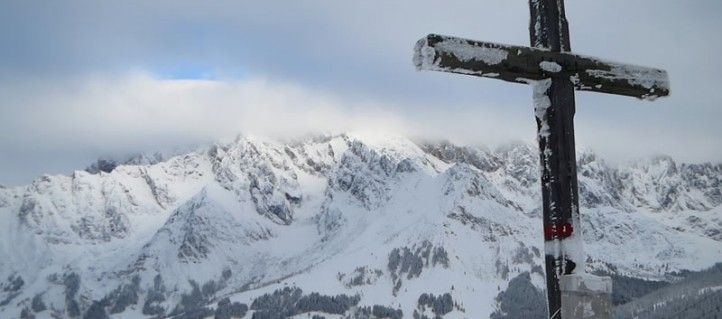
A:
{"x": 336, "y": 226}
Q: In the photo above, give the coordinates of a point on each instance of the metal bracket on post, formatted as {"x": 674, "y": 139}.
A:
{"x": 586, "y": 296}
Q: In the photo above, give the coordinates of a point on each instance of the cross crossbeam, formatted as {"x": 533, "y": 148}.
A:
{"x": 521, "y": 64}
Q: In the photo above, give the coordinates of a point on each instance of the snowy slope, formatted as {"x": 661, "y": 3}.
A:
{"x": 362, "y": 220}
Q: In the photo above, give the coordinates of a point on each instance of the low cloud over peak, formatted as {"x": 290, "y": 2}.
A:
{"x": 79, "y": 80}
{"x": 65, "y": 126}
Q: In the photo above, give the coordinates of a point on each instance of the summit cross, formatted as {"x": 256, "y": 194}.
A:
{"x": 554, "y": 72}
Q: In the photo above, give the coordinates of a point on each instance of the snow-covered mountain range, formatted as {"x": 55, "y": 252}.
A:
{"x": 341, "y": 226}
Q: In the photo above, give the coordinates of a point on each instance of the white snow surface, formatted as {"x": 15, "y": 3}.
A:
{"x": 463, "y": 50}
{"x": 550, "y": 66}
{"x": 313, "y": 212}
{"x": 648, "y": 78}
{"x": 466, "y": 51}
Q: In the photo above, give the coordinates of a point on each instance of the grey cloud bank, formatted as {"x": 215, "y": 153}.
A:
{"x": 81, "y": 79}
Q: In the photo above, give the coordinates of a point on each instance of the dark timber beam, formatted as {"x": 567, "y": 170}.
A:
{"x": 524, "y": 64}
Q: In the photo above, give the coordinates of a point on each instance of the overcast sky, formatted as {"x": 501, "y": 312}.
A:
{"x": 85, "y": 79}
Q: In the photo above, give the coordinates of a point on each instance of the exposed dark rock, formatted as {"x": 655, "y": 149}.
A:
{"x": 450, "y": 153}
{"x": 107, "y": 165}
{"x": 489, "y": 230}
{"x": 406, "y": 166}
{"x": 102, "y": 165}
{"x": 328, "y": 222}
{"x": 293, "y": 199}
{"x": 117, "y": 223}
{"x": 160, "y": 192}
{"x": 195, "y": 243}
{"x": 112, "y": 224}
{"x": 364, "y": 174}
{"x": 270, "y": 201}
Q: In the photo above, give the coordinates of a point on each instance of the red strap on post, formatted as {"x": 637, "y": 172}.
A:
{"x": 557, "y": 231}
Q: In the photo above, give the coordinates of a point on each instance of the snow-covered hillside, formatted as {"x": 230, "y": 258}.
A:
{"x": 335, "y": 226}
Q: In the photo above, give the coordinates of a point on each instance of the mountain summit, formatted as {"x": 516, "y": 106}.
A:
{"x": 339, "y": 226}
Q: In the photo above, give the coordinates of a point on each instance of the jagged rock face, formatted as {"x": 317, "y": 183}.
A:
{"x": 480, "y": 158}
{"x": 359, "y": 226}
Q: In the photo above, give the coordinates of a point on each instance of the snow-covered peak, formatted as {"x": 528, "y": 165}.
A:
{"x": 380, "y": 219}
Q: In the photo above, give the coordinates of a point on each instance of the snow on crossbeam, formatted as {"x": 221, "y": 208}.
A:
{"x": 523, "y": 64}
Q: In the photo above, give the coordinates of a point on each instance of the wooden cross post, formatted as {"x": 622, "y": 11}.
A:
{"x": 555, "y": 73}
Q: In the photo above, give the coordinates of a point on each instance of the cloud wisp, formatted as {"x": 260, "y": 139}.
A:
{"x": 62, "y": 127}
{"x": 140, "y": 112}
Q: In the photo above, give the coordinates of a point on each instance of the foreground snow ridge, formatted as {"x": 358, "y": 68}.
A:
{"x": 343, "y": 226}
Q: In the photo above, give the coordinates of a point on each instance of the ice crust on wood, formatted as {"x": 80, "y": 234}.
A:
{"x": 550, "y": 66}
{"x": 466, "y": 51}
{"x": 655, "y": 80}
{"x": 425, "y": 56}
{"x": 541, "y": 104}
{"x": 520, "y": 64}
